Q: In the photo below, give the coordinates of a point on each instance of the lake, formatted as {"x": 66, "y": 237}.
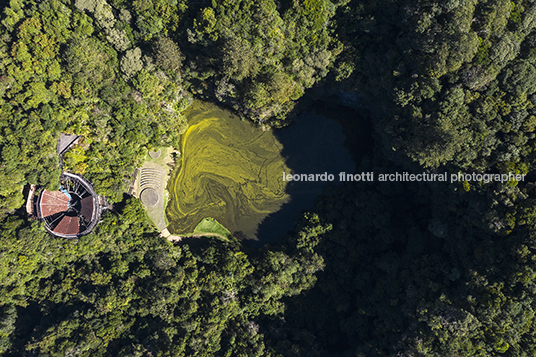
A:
{"x": 232, "y": 170}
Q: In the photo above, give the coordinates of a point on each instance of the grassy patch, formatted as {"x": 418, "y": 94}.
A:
{"x": 210, "y": 225}
{"x": 164, "y": 159}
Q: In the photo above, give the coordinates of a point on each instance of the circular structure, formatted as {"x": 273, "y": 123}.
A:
{"x": 72, "y": 211}
{"x": 149, "y": 197}
{"x": 155, "y": 154}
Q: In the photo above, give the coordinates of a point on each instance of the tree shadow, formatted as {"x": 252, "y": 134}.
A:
{"x": 323, "y": 140}
{"x": 33, "y": 322}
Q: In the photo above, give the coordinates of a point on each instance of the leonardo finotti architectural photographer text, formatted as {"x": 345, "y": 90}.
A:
{"x": 404, "y": 177}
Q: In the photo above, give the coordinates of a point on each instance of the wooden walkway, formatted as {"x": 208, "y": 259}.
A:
{"x": 64, "y": 143}
{"x": 30, "y": 202}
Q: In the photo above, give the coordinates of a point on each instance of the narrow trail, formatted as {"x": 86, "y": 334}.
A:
{"x": 173, "y": 238}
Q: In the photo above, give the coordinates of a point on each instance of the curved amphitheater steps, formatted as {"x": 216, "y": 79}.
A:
{"x": 152, "y": 181}
{"x": 151, "y": 178}
{"x": 150, "y": 185}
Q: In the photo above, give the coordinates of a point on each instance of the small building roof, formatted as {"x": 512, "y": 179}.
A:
{"x": 68, "y": 225}
{"x": 65, "y": 142}
{"x": 72, "y": 212}
{"x": 53, "y": 202}
{"x": 86, "y": 207}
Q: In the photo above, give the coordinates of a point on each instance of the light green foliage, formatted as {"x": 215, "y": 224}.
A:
{"x": 344, "y": 71}
{"x": 86, "y": 5}
{"x": 529, "y": 19}
{"x": 124, "y": 15}
{"x": 118, "y": 38}
{"x": 14, "y": 12}
{"x": 37, "y": 94}
{"x": 131, "y": 62}
{"x": 316, "y": 12}
{"x": 104, "y": 15}
{"x": 311, "y": 232}
{"x": 149, "y": 85}
{"x": 87, "y": 59}
{"x": 206, "y": 23}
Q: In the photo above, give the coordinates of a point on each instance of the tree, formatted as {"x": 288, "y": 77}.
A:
{"x": 131, "y": 62}
{"x": 168, "y": 55}
{"x": 89, "y": 60}
{"x": 519, "y": 78}
{"x": 239, "y": 60}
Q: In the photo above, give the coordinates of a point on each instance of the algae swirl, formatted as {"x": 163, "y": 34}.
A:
{"x": 230, "y": 170}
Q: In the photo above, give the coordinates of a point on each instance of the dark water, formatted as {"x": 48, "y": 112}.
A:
{"x": 322, "y": 140}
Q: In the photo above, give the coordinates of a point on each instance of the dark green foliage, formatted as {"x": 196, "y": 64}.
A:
{"x": 124, "y": 288}
{"x": 237, "y": 49}
{"x": 458, "y": 45}
{"x": 520, "y": 78}
{"x": 88, "y": 60}
{"x": 430, "y": 269}
{"x": 168, "y": 55}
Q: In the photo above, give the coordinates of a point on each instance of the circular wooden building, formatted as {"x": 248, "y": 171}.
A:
{"x": 72, "y": 211}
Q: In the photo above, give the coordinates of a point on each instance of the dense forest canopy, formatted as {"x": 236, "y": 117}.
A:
{"x": 377, "y": 269}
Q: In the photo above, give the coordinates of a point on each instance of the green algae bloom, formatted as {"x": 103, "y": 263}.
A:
{"x": 230, "y": 170}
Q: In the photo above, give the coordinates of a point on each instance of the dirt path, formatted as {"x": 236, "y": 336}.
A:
{"x": 173, "y": 238}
